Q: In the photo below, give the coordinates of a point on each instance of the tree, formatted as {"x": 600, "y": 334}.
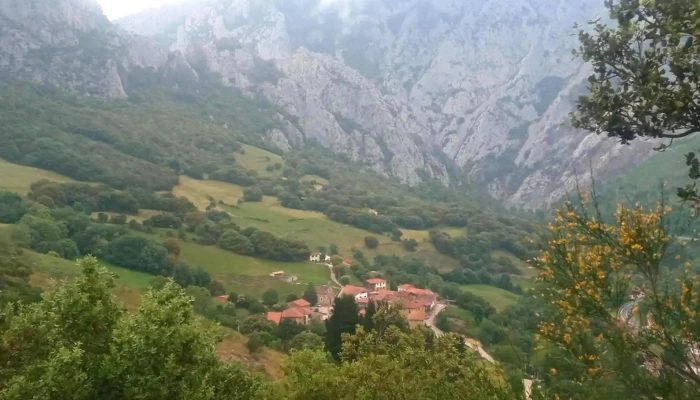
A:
{"x": 287, "y": 329}
{"x": 368, "y": 319}
{"x": 291, "y": 297}
{"x": 172, "y": 246}
{"x": 402, "y": 364}
{"x": 252, "y": 194}
{"x": 478, "y": 312}
{"x": 78, "y": 344}
{"x": 118, "y": 219}
{"x": 12, "y": 207}
{"x": 588, "y": 265}
{"x": 233, "y": 297}
{"x": 645, "y": 81}
{"x": 270, "y": 297}
{"x": 310, "y": 294}
{"x": 306, "y": 341}
{"x": 345, "y": 318}
{"x": 345, "y": 280}
{"x": 216, "y": 288}
{"x": 409, "y": 244}
{"x": 642, "y": 90}
{"x": 371, "y": 242}
{"x": 234, "y": 241}
{"x": 201, "y": 298}
{"x": 333, "y": 249}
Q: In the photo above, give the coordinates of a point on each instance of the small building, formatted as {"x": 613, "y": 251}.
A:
{"x": 299, "y": 303}
{"x": 416, "y": 318}
{"x": 375, "y": 284}
{"x": 325, "y": 295}
{"x": 357, "y": 292}
{"x": 327, "y": 258}
{"x": 315, "y": 257}
{"x": 284, "y": 277}
{"x": 222, "y": 298}
{"x": 300, "y": 315}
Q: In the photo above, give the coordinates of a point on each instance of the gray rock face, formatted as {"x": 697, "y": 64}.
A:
{"x": 70, "y": 44}
{"x": 410, "y": 88}
{"x": 402, "y": 84}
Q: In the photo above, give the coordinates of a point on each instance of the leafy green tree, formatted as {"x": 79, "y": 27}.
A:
{"x": 333, "y": 249}
{"x": 69, "y": 250}
{"x": 234, "y": 241}
{"x": 216, "y": 287}
{"x": 41, "y": 230}
{"x": 14, "y": 275}
{"x": 310, "y": 294}
{"x": 252, "y": 194}
{"x": 345, "y": 319}
{"x": 78, "y": 344}
{"x": 232, "y": 297}
{"x": 201, "y": 298}
{"x": 402, "y": 365}
{"x": 270, "y": 297}
{"x": 306, "y": 341}
{"x": 368, "y": 318}
{"x": 371, "y": 242}
{"x": 291, "y": 297}
{"x": 172, "y": 246}
{"x": 12, "y": 207}
{"x": 478, "y": 312}
{"x": 256, "y": 307}
{"x": 287, "y": 329}
{"x": 409, "y": 244}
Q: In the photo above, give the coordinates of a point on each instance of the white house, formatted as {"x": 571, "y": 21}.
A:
{"x": 376, "y": 284}
{"x": 315, "y": 257}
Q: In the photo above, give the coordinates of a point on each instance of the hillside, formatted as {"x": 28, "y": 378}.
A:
{"x": 410, "y": 87}
{"x": 303, "y": 76}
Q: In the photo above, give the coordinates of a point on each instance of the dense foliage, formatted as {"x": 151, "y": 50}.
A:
{"x": 76, "y": 343}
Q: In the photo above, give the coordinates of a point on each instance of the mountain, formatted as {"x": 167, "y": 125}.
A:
{"x": 412, "y": 85}
{"x": 72, "y": 45}
{"x": 472, "y": 91}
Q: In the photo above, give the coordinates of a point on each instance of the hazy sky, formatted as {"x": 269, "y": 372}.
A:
{"x": 114, "y": 9}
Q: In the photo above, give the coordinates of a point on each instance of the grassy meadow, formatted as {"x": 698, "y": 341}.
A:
{"x": 498, "y": 298}
{"x": 258, "y": 159}
{"x": 17, "y": 178}
{"x": 312, "y": 228}
{"x": 248, "y": 275}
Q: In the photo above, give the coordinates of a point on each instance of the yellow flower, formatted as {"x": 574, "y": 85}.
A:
{"x": 553, "y": 371}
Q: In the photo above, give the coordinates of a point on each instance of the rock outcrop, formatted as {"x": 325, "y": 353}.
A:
{"x": 412, "y": 86}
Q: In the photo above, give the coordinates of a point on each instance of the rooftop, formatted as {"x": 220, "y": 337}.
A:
{"x": 275, "y": 317}
{"x": 299, "y": 303}
{"x": 353, "y": 290}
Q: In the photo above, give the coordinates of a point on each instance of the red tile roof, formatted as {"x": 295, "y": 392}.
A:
{"x": 353, "y": 290}
{"x": 374, "y": 281}
{"x": 275, "y": 317}
{"x": 222, "y": 298}
{"x": 299, "y": 303}
{"x": 296, "y": 312}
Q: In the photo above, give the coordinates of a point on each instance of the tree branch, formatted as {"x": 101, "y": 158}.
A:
{"x": 679, "y": 135}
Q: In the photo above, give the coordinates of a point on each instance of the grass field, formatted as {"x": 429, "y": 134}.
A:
{"x": 17, "y": 178}
{"x": 258, "y": 159}
{"x": 312, "y": 228}
{"x": 4, "y": 226}
{"x": 498, "y": 298}
{"x": 248, "y": 275}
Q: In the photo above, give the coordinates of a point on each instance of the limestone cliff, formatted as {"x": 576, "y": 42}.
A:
{"x": 70, "y": 44}
{"x": 412, "y": 85}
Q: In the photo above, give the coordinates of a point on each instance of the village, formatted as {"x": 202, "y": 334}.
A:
{"x": 417, "y": 305}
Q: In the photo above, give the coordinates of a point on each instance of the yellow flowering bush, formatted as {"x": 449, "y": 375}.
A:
{"x": 617, "y": 306}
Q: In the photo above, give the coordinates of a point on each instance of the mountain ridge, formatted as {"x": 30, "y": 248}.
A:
{"x": 412, "y": 89}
